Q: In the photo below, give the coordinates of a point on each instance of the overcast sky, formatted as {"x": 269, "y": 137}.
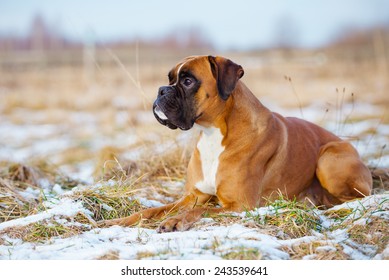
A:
{"x": 227, "y": 24}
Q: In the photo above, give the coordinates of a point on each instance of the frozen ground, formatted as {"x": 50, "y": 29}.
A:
{"x": 209, "y": 239}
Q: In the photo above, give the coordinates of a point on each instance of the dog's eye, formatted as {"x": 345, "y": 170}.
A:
{"x": 187, "y": 82}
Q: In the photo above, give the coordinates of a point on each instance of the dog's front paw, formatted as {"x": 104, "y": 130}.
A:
{"x": 176, "y": 223}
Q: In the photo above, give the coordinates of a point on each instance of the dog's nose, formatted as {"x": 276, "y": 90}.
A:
{"x": 164, "y": 90}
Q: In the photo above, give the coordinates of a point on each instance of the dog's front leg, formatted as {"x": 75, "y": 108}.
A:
{"x": 151, "y": 213}
{"x": 188, "y": 201}
{"x": 185, "y": 220}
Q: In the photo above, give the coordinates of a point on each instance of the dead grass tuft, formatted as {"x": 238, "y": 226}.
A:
{"x": 243, "y": 253}
{"x": 169, "y": 166}
{"x": 374, "y": 232}
{"x": 316, "y": 250}
{"x": 338, "y": 214}
{"x": 23, "y": 175}
{"x": 12, "y": 204}
{"x": 149, "y": 176}
{"x": 109, "y": 201}
{"x": 344, "y": 218}
{"x": 16, "y": 178}
{"x": 110, "y": 255}
{"x": 35, "y": 174}
{"x": 293, "y": 218}
{"x": 107, "y": 165}
{"x": 144, "y": 255}
{"x": 16, "y": 232}
{"x": 42, "y": 231}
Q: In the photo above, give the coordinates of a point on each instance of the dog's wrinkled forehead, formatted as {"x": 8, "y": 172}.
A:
{"x": 185, "y": 66}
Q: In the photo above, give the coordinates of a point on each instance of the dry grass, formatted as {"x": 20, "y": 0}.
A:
{"x": 316, "y": 250}
{"x": 243, "y": 254}
{"x": 122, "y": 181}
{"x": 16, "y": 178}
{"x": 147, "y": 174}
{"x": 374, "y": 232}
{"x": 346, "y": 217}
{"x": 12, "y": 204}
{"x": 43, "y": 231}
{"x": 293, "y": 218}
{"x": 150, "y": 173}
{"x": 111, "y": 255}
{"x": 286, "y": 220}
{"x": 55, "y": 94}
{"x": 109, "y": 201}
{"x": 144, "y": 255}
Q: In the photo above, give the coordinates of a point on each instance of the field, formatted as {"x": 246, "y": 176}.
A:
{"x": 79, "y": 144}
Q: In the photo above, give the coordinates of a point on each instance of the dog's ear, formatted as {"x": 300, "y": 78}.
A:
{"x": 226, "y": 74}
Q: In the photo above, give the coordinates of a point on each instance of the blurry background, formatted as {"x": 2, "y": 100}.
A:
{"x": 77, "y": 78}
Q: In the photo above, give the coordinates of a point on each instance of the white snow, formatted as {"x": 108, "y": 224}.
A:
{"x": 129, "y": 242}
{"x": 64, "y": 207}
{"x": 206, "y": 241}
{"x": 30, "y": 193}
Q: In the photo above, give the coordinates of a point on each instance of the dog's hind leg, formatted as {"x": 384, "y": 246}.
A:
{"x": 342, "y": 173}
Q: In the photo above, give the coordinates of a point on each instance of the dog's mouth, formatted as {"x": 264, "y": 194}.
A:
{"x": 163, "y": 119}
{"x": 161, "y": 115}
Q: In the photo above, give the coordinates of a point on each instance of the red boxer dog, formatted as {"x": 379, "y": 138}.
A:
{"x": 246, "y": 155}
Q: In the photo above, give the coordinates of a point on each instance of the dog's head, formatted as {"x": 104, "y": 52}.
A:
{"x": 198, "y": 89}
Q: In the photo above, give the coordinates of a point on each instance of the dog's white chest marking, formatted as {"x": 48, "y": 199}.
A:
{"x": 210, "y": 147}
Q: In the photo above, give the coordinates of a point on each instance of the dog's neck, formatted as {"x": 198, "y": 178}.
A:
{"x": 241, "y": 102}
